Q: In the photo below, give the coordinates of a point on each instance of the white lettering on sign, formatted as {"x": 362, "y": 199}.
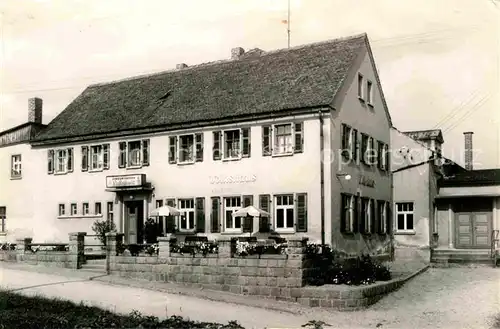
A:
{"x": 125, "y": 180}
{"x": 366, "y": 181}
{"x": 232, "y": 179}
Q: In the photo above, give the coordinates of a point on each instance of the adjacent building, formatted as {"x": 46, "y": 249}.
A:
{"x": 303, "y": 133}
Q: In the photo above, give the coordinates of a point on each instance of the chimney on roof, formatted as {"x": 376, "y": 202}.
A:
{"x": 237, "y": 52}
{"x": 181, "y": 66}
{"x": 468, "y": 150}
{"x": 35, "y": 110}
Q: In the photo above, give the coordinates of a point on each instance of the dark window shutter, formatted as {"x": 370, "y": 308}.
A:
{"x": 85, "y": 158}
{"x": 380, "y": 223}
{"x": 362, "y": 217}
{"x": 354, "y": 144}
{"x": 199, "y": 147}
{"x": 247, "y": 221}
{"x": 364, "y": 144}
{"x": 357, "y": 214}
{"x": 105, "y": 156}
{"x": 301, "y": 210}
{"x": 200, "y": 215}
{"x": 299, "y": 137}
{"x": 246, "y": 137}
{"x": 161, "y": 219}
{"x": 70, "y": 159}
{"x": 50, "y": 161}
{"x": 387, "y": 159}
{"x": 344, "y": 137}
{"x": 344, "y": 205}
{"x": 216, "y": 151}
{"x": 171, "y": 227}
{"x": 145, "y": 152}
{"x": 388, "y": 218}
{"x": 122, "y": 157}
{"x": 266, "y": 141}
{"x": 264, "y": 201}
{"x": 380, "y": 156}
{"x": 215, "y": 215}
{"x": 172, "y": 149}
{"x": 373, "y": 224}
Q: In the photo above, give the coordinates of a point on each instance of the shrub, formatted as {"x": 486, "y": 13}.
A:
{"x": 328, "y": 267}
{"x": 101, "y": 227}
{"x": 36, "y": 312}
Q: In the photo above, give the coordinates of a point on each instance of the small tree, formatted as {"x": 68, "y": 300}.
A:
{"x": 101, "y": 227}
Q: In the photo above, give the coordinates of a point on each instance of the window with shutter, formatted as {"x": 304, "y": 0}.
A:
{"x": 70, "y": 160}
{"x": 122, "y": 156}
{"x": 246, "y": 135}
{"x": 199, "y": 147}
{"x": 105, "y": 156}
{"x": 50, "y": 161}
{"x": 145, "y": 152}
{"x": 172, "y": 149}
{"x": 284, "y": 213}
{"x": 186, "y": 149}
{"x": 301, "y": 210}
{"x": 215, "y": 215}
{"x": 283, "y": 141}
{"x": 264, "y": 204}
{"x": 266, "y": 141}
{"x": 200, "y": 215}
{"x": 217, "y": 148}
{"x": 299, "y": 137}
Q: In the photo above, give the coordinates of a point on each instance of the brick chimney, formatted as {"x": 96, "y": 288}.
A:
{"x": 468, "y": 150}
{"x": 181, "y": 66}
{"x": 35, "y": 105}
{"x": 237, "y": 52}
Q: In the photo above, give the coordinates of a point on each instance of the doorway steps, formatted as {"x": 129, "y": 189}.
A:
{"x": 94, "y": 265}
{"x": 447, "y": 257}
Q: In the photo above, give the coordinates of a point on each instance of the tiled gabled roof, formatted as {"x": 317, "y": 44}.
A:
{"x": 484, "y": 177}
{"x": 426, "y": 134}
{"x": 299, "y": 77}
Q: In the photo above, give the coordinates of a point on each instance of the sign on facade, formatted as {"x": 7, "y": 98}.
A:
{"x": 365, "y": 181}
{"x": 232, "y": 179}
{"x": 125, "y": 180}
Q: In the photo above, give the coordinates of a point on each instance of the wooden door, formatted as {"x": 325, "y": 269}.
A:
{"x": 463, "y": 228}
{"x": 132, "y": 220}
{"x": 473, "y": 230}
{"x": 481, "y": 228}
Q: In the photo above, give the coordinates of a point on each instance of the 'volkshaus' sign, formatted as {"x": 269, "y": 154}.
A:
{"x": 232, "y": 179}
{"x": 125, "y": 180}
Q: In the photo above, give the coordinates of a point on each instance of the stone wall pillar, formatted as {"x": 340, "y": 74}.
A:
{"x": 164, "y": 243}
{"x": 22, "y": 245}
{"x": 76, "y": 249}
{"x": 224, "y": 244}
{"x": 297, "y": 258}
{"x": 114, "y": 241}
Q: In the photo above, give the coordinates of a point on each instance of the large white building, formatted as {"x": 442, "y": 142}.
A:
{"x": 283, "y": 130}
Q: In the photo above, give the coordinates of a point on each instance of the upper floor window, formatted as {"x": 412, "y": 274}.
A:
{"x": 367, "y": 149}
{"x": 383, "y": 156}
{"x": 95, "y": 157}
{"x": 361, "y": 86}
{"x": 15, "y": 166}
{"x": 404, "y": 217}
{"x": 232, "y": 144}
{"x": 133, "y": 154}
{"x": 369, "y": 92}
{"x": 185, "y": 148}
{"x": 349, "y": 142}
{"x": 60, "y": 161}
{"x": 283, "y": 139}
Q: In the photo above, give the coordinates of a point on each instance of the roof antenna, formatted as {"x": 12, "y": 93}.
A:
{"x": 287, "y": 21}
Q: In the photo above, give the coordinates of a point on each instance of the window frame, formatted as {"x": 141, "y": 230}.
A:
{"x": 110, "y": 212}
{"x": 398, "y": 212}
{"x": 367, "y": 216}
{"x": 276, "y": 207}
{"x": 128, "y": 156}
{"x": 349, "y": 213}
{"x": 184, "y": 212}
{"x": 85, "y": 209}
{"x": 232, "y": 229}
{"x": 383, "y": 219}
{"x": 274, "y": 138}
{"x": 240, "y": 142}
{"x": 61, "y": 209}
{"x": 100, "y": 157}
{"x": 13, "y": 164}
{"x": 98, "y": 213}
{"x": 193, "y": 146}
{"x": 369, "y": 92}
{"x": 57, "y": 161}
{"x": 71, "y": 209}
{"x": 361, "y": 87}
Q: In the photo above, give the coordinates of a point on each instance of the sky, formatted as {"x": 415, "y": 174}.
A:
{"x": 438, "y": 60}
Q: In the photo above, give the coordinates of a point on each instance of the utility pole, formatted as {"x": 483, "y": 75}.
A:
{"x": 288, "y": 24}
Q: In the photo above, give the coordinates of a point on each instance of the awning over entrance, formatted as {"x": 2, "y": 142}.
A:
{"x": 469, "y": 191}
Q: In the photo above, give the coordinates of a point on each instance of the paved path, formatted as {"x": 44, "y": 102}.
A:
{"x": 439, "y": 298}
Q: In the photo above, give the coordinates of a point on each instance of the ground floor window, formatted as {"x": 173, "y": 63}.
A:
{"x": 404, "y": 217}
{"x": 73, "y": 209}
{"x": 187, "y": 217}
{"x": 284, "y": 212}
{"x": 348, "y": 212}
{"x": 232, "y": 204}
{"x": 85, "y": 208}
{"x": 3, "y": 217}
{"x": 62, "y": 209}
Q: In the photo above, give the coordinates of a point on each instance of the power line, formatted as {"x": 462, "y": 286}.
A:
{"x": 452, "y": 113}
{"x": 476, "y": 107}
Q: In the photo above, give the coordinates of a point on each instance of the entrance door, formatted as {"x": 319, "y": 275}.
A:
{"x": 134, "y": 221}
{"x": 473, "y": 230}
